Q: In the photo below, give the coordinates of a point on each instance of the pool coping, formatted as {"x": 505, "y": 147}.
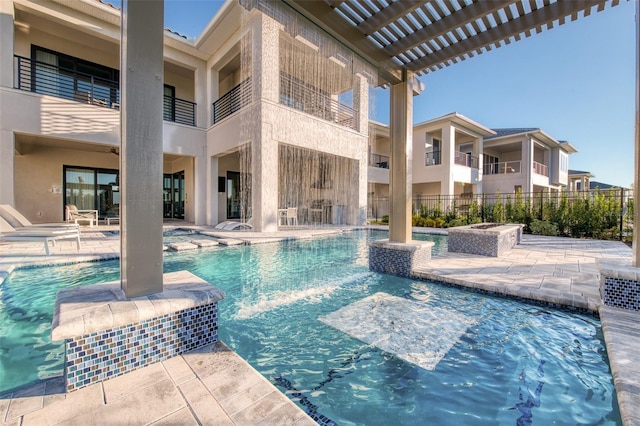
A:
{"x": 621, "y": 338}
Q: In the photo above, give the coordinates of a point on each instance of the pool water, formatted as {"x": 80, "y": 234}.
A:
{"x": 355, "y": 347}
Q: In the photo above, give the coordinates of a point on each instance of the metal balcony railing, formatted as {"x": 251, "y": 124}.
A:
{"x": 296, "y": 94}
{"x": 232, "y": 101}
{"x": 179, "y": 110}
{"x": 40, "y": 77}
{"x": 377, "y": 160}
{"x": 502, "y": 168}
{"x": 467, "y": 160}
{"x": 432, "y": 158}
{"x": 540, "y": 169}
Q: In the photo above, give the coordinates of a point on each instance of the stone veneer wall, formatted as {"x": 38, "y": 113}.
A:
{"x": 619, "y": 285}
{"x": 107, "y": 335}
{"x": 398, "y": 258}
{"x": 493, "y": 242}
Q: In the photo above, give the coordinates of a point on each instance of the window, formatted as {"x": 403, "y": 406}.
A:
{"x": 564, "y": 162}
{"x": 69, "y": 77}
{"x": 433, "y": 148}
{"x": 490, "y": 164}
{"x": 92, "y": 189}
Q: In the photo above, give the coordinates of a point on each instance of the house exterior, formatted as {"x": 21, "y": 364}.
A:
{"x": 526, "y": 159}
{"x": 259, "y": 116}
{"x": 579, "y": 180}
{"x": 456, "y": 156}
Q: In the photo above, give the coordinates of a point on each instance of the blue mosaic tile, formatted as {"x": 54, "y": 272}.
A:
{"x": 110, "y": 353}
{"x": 621, "y": 293}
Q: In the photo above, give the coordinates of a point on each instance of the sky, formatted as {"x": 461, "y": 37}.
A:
{"x": 576, "y": 82}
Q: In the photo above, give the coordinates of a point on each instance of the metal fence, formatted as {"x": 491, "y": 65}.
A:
{"x": 596, "y": 213}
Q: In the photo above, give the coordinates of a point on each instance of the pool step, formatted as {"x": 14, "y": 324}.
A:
{"x": 230, "y": 242}
{"x": 205, "y": 243}
{"x": 182, "y": 246}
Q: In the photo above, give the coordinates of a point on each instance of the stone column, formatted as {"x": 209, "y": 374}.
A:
{"x": 400, "y": 170}
{"x": 200, "y": 186}
{"x": 264, "y": 149}
{"x": 200, "y": 86}
{"x": 141, "y": 80}
{"x": 212, "y": 191}
{"x": 7, "y": 167}
{"x": 6, "y": 43}
{"x": 361, "y": 102}
{"x": 448, "y": 160}
{"x": 527, "y": 164}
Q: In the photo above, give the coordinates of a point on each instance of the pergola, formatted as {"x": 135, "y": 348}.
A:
{"x": 401, "y": 39}
{"x": 414, "y": 37}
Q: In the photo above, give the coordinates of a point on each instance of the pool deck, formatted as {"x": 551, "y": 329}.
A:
{"x": 558, "y": 271}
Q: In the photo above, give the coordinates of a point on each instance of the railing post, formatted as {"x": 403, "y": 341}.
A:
{"x": 621, "y": 212}
{"x": 19, "y": 76}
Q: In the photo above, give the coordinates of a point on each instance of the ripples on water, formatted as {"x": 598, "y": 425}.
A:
{"x": 515, "y": 364}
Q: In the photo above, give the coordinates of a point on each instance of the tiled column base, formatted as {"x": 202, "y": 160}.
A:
{"x": 619, "y": 284}
{"x": 107, "y": 335}
{"x": 398, "y": 258}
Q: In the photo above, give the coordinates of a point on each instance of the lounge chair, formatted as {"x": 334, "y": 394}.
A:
{"x": 9, "y": 233}
{"x": 232, "y": 225}
{"x": 21, "y": 223}
{"x": 75, "y": 215}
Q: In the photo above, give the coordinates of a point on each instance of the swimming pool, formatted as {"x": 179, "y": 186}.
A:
{"x": 302, "y": 311}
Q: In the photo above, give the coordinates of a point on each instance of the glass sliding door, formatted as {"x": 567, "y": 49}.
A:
{"x": 92, "y": 189}
{"x": 108, "y": 193}
{"x": 173, "y": 189}
{"x": 233, "y": 195}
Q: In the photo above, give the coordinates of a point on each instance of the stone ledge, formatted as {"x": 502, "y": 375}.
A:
{"x": 621, "y": 269}
{"x": 84, "y": 310}
{"x": 394, "y": 245}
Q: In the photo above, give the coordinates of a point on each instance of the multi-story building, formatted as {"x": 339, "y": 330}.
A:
{"x": 261, "y": 114}
{"x": 454, "y": 155}
{"x": 526, "y": 159}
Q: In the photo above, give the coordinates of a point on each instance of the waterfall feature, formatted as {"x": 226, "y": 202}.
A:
{"x": 307, "y": 132}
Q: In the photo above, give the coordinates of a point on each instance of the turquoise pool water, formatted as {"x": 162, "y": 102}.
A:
{"x": 301, "y": 313}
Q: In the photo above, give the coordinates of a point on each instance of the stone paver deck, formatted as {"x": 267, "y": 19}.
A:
{"x": 208, "y": 386}
{"x": 560, "y": 271}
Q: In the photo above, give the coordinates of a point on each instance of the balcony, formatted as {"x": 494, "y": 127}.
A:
{"x": 47, "y": 79}
{"x": 296, "y": 94}
{"x": 466, "y": 160}
{"x": 232, "y": 101}
{"x": 432, "y": 158}
{"x": 540, "y": 169}
{"x": 380, "y": 161}
{"x": 502, "y": 168}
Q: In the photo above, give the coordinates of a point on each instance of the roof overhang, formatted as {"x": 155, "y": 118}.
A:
{"x": 460, "y": 121}
{"x": 423, "y": 36}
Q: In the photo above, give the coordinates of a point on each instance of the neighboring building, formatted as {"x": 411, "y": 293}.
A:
{"x": 258, "y": 116}
{"x": 579, "y": 180}
{"x": 525, "y": 158}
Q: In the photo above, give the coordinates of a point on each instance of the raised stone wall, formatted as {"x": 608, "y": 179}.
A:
{"x": 398, "y": 258}
{"x": 107, "y": 335}
{"x": 493, "y": 241}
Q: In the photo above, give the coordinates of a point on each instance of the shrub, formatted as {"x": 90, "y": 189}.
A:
{"x": 385, "y": 218}
{"x": 456, "y": 222}
{"x": 543, "y": 227}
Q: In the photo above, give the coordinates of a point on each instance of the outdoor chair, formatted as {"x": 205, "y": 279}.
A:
{"x": 9, "y": 233}
{"x": 75, "y": 215}
{"x": 21, "y": 223}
